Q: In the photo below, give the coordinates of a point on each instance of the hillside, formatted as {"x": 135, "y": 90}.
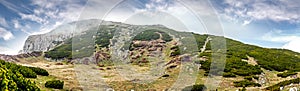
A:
{"x": 122, "y": 47}
{"x": 259, "y": 67}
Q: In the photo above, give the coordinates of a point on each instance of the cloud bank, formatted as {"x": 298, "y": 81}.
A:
{"x": 6, "y": 35}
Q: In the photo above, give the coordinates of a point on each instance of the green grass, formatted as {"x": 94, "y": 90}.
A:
{"x": 82, "y": 45}
{"x": 152, "y": 34}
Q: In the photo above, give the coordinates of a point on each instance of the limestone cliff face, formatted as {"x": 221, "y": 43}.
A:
{"x": 48, "y": 41}
{"x": 45, "y": 42}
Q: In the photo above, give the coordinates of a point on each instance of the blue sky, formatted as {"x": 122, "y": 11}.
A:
{"x": 267, "y": 23}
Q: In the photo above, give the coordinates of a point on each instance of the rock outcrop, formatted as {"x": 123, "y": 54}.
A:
{"x": 48, "y": 41}
{"x": 45, "y": 42}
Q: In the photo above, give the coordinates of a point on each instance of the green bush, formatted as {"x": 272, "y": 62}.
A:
{"x": 39, "y": 71}
{"x": 286, "y": 74}
{"x": 28, "y": 73}
{"x": 197, "y": 87}
{"x": 13, "y": 77}
{"x": 152, "y": 34}
{"x": 248, "y": 78}
{"x": 283, "y": 83}
{"x": 57, "y": 84}
{"x": 175, "y": 53}
{"x": 103, "y": 36}
{"x": 23, "y": 70}
{"x": 200, "y": 39}
{"x": 246, "y": 83}
{"x": 63, "y": 51}
{"x": 228, "y": 74}
{"x": 256, "y": 77}
{"x": 244, "y": 89}
{"x": 234, "y": 66}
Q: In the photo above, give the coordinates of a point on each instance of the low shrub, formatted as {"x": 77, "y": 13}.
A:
{"x": 286, "y": 74}
{"x": 197, "y": 87}
{"x": 57, "y": 84}
{"x": 39, "y": 71}
{"x": 229, "y": 74}
{"x": 246, "y": 83}
{"x": 248, "y": 78}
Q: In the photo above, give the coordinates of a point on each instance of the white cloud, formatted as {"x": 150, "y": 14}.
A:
{"x": 275, "y": 10}
{"x": 7, "y": 51}
{"x": 274, "y": 37}
{"x": 33, "y": 17}
{"x": 278, "y": 36}
{"x": 46, "y": 29}
{"x": 51, "y": 13}
{"x": 247, "y": 11}
{"x": 16, "y": 23}
{"x": 47, "y": 15}
{"x": 10, "y": 6}
{"x": 24, "y": 28}
{"x": 282, "y": 39}
{"x": 165, "y": 12}
{"x": 291, "y": 42}
{"x": 246, "y": 22}
{"x": 293, "y": 45}
{"x": 3, "y": 22}
{"x": 6, "y": 35}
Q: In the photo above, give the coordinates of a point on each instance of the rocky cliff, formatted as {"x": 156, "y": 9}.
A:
{"x": 45, "y": 42}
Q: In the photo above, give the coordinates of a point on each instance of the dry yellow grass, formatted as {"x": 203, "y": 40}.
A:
{"x": 63, "y": 72}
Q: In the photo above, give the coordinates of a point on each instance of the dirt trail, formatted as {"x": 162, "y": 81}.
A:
{"x": 160, "y": 35}
{"x": 204, "y": 46}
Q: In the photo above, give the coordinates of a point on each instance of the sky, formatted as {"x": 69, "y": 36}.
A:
{"x": 266, "y": 23}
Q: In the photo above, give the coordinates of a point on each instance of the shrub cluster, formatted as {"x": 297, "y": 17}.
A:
{"x": 39, "y": 71}
{"x": 25, "y": 71}
{"x": 246, "y": 83}
{"x": 176, "y": 51}
{"x": 103, "y": 36}
{"x": 197, "y": 87}
{"x": 233, "y": 67}
{"x": 277, "y": 86}
{"x": 286, "y": 74}
{"x": 152, "y": 34}
{"x": 270, "y": 59}
{"x": 248, "y": 78}
{"x": 57, "y": 84}
{"x": 13, "y": 77}
{"x": 63, "y": 51}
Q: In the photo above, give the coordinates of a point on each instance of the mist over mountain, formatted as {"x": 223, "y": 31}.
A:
{"x": 47, "y": 41}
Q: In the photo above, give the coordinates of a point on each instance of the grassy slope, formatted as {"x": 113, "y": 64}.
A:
{"x": 275, "y": 60}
